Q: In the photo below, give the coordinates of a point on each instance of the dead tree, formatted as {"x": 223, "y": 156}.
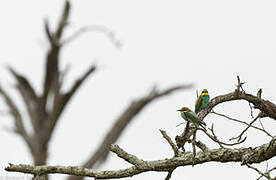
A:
{"x": 201, "y": 152}
{"x": 44, "y": 109}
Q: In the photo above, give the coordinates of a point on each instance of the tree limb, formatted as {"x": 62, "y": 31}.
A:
{"x": 258, "y": 171}
{"x": 171, "y": 143}
{"x": 52, "y": 59}
{"x": 264, "y": 105}
{"x": 29, "y": 96}
{"x": 98, "y": 28}
{"x": 18, "y": 121}
{"x": 244, "y": 155}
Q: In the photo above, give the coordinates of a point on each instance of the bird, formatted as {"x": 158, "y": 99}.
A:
{"x": 191, "y": 116}
{"x": 202, "y": 101}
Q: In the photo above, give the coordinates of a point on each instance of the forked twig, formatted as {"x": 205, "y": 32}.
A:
{"x": 242, "y": 122}
{"x": 239, "y": 137}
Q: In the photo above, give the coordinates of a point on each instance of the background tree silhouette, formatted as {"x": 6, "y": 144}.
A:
{"x": 44, "y": 110}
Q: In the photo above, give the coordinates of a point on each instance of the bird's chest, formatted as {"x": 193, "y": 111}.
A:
{"x": 183, "y": 115}
{"x": 205, "y": 100}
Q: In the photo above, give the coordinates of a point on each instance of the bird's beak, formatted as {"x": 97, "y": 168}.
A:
{"x": 179, "y": 110}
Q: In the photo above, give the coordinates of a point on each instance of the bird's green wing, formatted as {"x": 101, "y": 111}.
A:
{"x": 192, "y": 117}
{"x": 198, "y": 104}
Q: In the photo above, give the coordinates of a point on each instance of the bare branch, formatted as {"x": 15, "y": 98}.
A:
{"x": 251, "y": 110}
{"x": 239, "y": 86}
{"x": 259, "y": 94}
{"x": 243, "y": 155}
{"x": 265, "y": 106}
{"x": 98, "y": 28}
{"x": 63, "y": 21}
{"x": 249, "y": 125}
{"x": 25, "y": 84}
{"x": 242, "y": 122}
{"x": 29, "y": 96}
{"x": 124, "y": 155}
{"x": 169, "y": 140}
{"x": 258, "y": 171}
{"x": 18, "y": 121}
{"x": 48, "y": 31}
{"x": 52, "y": 59}
{"x": 169, "y": 175}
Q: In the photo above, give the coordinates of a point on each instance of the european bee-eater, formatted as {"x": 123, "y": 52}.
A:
{"x": 202, "y": 101}
{"x": 191, "y": 116}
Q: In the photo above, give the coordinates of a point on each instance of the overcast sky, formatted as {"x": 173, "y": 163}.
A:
{"x": 207, "y": 43}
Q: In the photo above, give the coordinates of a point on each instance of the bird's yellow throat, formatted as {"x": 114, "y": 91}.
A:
{"x": 205, "y": 94}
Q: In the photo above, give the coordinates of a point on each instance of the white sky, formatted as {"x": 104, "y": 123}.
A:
{"x": 206, "y": 43}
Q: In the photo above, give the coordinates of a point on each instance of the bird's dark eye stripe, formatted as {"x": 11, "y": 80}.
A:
{"x": 204, "y": 91}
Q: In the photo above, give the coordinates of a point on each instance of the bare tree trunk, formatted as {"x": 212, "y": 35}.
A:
{"x": 44, "y": 109}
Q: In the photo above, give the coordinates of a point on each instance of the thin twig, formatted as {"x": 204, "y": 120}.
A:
{"x": 242, "y": 122}
{"x": 239, "y": 137}
{"x": 169, "y": 174}
{"x": 258, "y": 171}
{"x": 261, "y": 124}
{"x": 239, "y": 86}
{"x": 215, "y": 137}
{"x": 97, "y": 28}
{"x": 259, "y": 94}
{"x": 180, "y": 124}
{"x": 171, "y": 143}
{"x": 251, "y": 110}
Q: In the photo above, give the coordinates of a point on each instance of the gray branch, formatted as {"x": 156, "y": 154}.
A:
{"x": 29, "y": 96}
{"x": 244, "y": 155}
{"x": 263, "y": 105}
{"x": 18, "y": 121}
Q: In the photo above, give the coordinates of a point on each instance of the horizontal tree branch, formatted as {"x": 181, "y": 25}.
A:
{"x": 244, "y": 155}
